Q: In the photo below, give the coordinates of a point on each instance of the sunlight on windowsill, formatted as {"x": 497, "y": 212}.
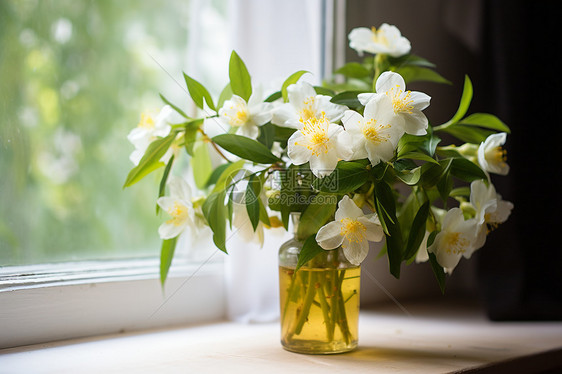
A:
{"x": 433, "y": 339}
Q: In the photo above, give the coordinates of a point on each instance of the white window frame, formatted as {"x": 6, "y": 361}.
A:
{"x": 44, "y": 303}
{"x": 61, "y": 301}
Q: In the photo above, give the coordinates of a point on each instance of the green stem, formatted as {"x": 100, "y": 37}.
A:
{"x": 334, "y": 300}
{"x": 326, "y": 310}
{"x": 342, "y": 320}
{"x": 380, "y": 67}
{"x": 309, "y": 297}
{"x": 290, "y": 296}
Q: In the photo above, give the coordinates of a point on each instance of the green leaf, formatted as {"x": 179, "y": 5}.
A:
{"x": 245, "y": 148}
{"x": 410, "y": 177}
{"x": 460, "y": 191}
{"x": 162, "y": 187}
{"x": 468, "y": 134}
{"x": 348, "y": 98}
{"x": 267, "y": 135}
{"x": 166, "y": 255}
{"x": 412, "y": 73}
{"x": 177, "y": 109}
{"x": 251, "y": 198}
{"x": 321, "y": 90}
{"x": 486, "y": 120}
{"x": 274, "y": 96}
{"x": 309, "y": 250}
{"x": 293, "y": 78}
{"x": 282, "y": 134}
{"x": 190, "y": 135}
{"x": 466, "y": 170}
{"x": 151, "y": 159}
{"x": 445, "y": 184}
{"x": 418, "y": 156}
{"x": 386, "y": 210}
{"x": 201, "y": 164}
{"x": 414, "y": 143}
{"x": 410, "y": 59}
{"x": 431, "y": 174}
{"x": 240, "y": 80}
{"x": 417, "y": 231}
{"x": 317, "y": 213}
{"x": 225, "y": 95}
{"x": 198, "y": 93}
{"x": 216, "y": 213}
{"x": 466, "y": 98}
{"x": 215, "y": 175}
{"x": 228, "y": 175}
{"x": 438, "y": 271}
{"x": 347, "y": 177}
{"x": 353, "y": 70}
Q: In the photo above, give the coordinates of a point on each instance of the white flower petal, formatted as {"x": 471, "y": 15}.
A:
{"x": 297, "y": 149}
{"x": 169, "y": 230}
{"x": 415, "y": 123}
{"x": 355, "y": 252}
{"x": 179, "y": 188}
{"x": 364, "y": 98}
{"x": 329, "y": 236}
{"x": 491, "y": 155}
{"x": 347, "y": 209}
{"x": 372, "y": 223}
{"x": 323, "y": 164}
{"x": 389, "y": 80}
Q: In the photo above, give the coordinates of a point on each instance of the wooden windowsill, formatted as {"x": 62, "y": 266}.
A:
{"x": 422, "y": 338}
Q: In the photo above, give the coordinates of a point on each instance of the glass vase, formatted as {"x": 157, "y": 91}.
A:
{"x": 319, "y": 302}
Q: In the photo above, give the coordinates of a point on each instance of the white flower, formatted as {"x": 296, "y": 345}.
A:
{"x": 491, "y": 156}
{"x": 490, "y": 209}
{"x": 148, "y": 130}
{"x": 352, "y": 230}
{"x": 304, "y": 105}
{"x": 246, "y": 116}
{"x": 374, "y": 135}
{"x": 386, "y": 40}
{"x": 407, "y": 105}
{"x": 318, "y": 141}
{"x": 178, "y": 205}
{"x": 455, "y": 240}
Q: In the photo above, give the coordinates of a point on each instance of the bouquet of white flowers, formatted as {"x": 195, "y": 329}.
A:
{"x": 359, "y": 160}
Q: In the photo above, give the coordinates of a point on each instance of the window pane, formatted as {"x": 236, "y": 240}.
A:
{"x": 75, "y": 77}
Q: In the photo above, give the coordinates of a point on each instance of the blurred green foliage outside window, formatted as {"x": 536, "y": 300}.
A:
{"x": 74, "y": 78}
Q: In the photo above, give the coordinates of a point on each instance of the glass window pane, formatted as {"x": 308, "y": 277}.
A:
{"x": 74, "y": 78}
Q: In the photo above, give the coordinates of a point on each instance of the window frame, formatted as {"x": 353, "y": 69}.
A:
{"x": 44, "y": 303}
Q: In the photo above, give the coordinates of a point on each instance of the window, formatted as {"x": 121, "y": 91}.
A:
{"x": 75, "y": 77}
{"x": 73, "y": 244}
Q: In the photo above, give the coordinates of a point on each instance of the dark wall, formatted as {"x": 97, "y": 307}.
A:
{"x": 511, "y": 51}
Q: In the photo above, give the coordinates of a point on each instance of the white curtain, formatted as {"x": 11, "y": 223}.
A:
{"x": 275, "y": 39}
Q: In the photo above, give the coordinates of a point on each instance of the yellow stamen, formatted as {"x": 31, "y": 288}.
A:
{"x": 379, "y": 37}
{"x": 353, "y": 230}
{"x": 315, "y": 130}
{"x": 178, "y": 213}
{"x": 372, "y": 132}
{"x": 239, "y": 118}
{"x": 497, "y": 155}
{"x": 455, "y": 243}
{"x": 307, "y": 112}
{"x": 491, "y": 223}
{"x": 146, "y": 122}
{"x": 401, "y": 101}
